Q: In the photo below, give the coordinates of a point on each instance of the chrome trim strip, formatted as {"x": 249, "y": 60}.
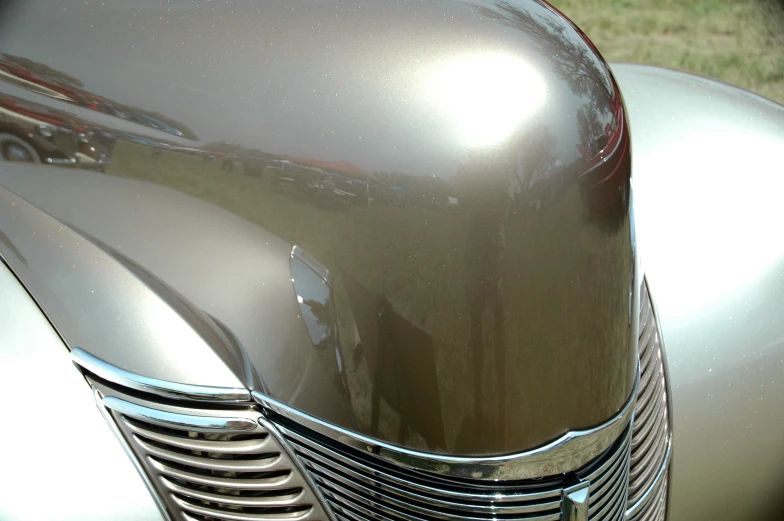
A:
{"x": 178, "y": 421}
{"x": 575, "y": 502}
{"x": 177, "y": 391}
{"x": 635, "y": 509}
{"x": 129, "y": 452}
{"x": 565, "y": 454}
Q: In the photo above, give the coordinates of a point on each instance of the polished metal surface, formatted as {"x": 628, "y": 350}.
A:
{"x": 575, "y": 502}
{"x": 651, "y": 433}
{"x": 109, "y": 307}
{"x": 656, "y": 508}
{"x": 358, "y": 485}
{"x": 461, "y": 169}
{"x": 565, "y": 454}
{"x": 177, "y": 391}
{"x": 60, "y": 461}
{"x": 182, "y": 421}
{"x": 216, "y": 464}
{"x": 708, "y": 215}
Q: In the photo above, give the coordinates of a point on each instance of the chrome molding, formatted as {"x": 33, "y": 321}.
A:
{"x": 312, "y": 263}
{"x": 565, "y": 454}
{"x": 177, "y": 391}
{"x": 167, "y": 419}
{"x": 575, "y": 502}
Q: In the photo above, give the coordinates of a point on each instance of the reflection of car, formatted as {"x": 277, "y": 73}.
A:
{"x": 182, "y": 343}
{"x": 29, "y": 134}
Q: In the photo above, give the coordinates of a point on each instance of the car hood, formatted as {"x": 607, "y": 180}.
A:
{"x": 413, "y": 220}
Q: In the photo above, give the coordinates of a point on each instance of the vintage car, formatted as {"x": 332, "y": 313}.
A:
{"x": 474, "y": 337}
{"x": 32, "y": 134}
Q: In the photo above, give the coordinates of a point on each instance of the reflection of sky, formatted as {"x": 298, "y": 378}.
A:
{"x": 318, "y": 80}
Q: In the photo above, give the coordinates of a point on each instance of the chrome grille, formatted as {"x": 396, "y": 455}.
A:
{"x": 208, "y": 464}
{"x": 656, "y": 508}
{"x": 650, "y": 430}
{"x": 361, "y": 487}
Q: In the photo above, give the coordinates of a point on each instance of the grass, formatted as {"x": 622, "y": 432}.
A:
{"x": 737, "y": 41}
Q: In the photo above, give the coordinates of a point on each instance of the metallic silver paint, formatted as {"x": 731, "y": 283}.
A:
{"x": 461, "y": 168}
{"x": 706, "y": 193}
{"x": 708, "y": 209}
{"x": 96, "y": 301}
{"x": 60, "y": 460}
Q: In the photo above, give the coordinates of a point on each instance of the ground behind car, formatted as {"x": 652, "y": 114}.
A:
{"x": 738, "y": 41}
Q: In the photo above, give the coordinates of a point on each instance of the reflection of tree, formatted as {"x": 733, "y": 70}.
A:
{"x": 323, "y": 314}
{"x": 537, "y": 147}
{"x": 574, "y": 61}
{"x": 590, "y": 129}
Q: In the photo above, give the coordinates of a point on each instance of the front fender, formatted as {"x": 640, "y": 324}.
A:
{"x": 708, "y": 185}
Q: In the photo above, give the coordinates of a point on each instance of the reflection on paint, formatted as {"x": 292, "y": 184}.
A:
{"x": 485, "y": 95}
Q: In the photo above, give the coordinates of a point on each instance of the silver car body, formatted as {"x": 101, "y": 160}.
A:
{"x": 705, "y": 194}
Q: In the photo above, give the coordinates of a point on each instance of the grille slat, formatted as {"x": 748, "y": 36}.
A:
{"x": 605, "y": 474}
{"x": 655, "y": 509}
{"x": 396, "y": 491}
{"x": 268, "y": 483}
{"x": 213, "y": 465}
{"x": 650, "y": 429}
{"x": 271, "y": 463}
{"x": 278, "y": 500}
{"x": 238, "y": 515}
{"x": 360, "y": 487}
{"x": 602, "y": 502}
{"x": 305, "y": 446}
{"x": 648, "y": 424}
{"x": 252, "y": 446}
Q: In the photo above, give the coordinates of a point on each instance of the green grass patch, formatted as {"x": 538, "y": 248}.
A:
{"x": 737, "y": 41}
